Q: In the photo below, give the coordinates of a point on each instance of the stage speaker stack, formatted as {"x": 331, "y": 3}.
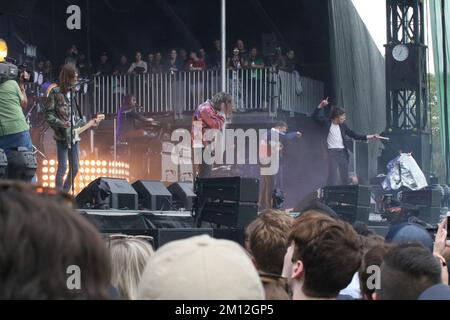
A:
{"x": 153, "y": 195}
{"x": 108, "y": 193}
{"x": 230, "y": 202}
{"x": 351, "y": 203}
{"x": 427, "y": 201}
{"x": 183, "y": 195}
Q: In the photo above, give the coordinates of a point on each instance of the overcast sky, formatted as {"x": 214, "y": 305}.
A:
{"x": 373, "y": 13}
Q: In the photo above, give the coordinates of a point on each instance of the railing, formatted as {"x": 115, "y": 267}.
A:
{"x": 252, "y": 90}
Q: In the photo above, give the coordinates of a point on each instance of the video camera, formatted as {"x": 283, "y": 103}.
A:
{"x": 10, "y": 71}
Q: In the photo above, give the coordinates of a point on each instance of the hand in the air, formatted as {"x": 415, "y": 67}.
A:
{"x": 324, "y": 103}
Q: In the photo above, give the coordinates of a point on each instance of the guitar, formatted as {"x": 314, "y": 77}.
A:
{"x": 79, "y": 130}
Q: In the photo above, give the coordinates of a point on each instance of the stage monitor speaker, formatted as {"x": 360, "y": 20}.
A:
{"x": 351, "y": 214}
{"x": 164, "y": 236}
{"x": 349, "y": 195}
{"x": 230, "y": 189}
{"x": 422, "y": 198}
{"x": 108, "y": 193}
{"x": 233, "y": 215}
{"x": 153, "y": 195}
{"x": 182, "y": 194}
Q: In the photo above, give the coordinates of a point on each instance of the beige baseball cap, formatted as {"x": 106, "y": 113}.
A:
{"x": 200, "y": 268}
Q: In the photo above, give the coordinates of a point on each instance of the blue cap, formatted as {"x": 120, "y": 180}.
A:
{"x": 409, "y": 232}
{"x": 437, "y": 292}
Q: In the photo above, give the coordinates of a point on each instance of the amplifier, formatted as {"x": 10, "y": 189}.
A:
{"x": 235, "y": 215}
{"x": 351, "y": 214}
{"x": 351, "y": 195}
{"x": 424, "y": 198}
{"x": 229, "y": 189}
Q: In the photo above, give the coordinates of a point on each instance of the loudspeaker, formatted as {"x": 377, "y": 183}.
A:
{"x": 182, "y": 194}
{"x": 423, "y": 198}
{"x": 230, "y": 189}
{"x": 153, "y": 195}
{"x": 351, "y": 214}
{"x": 234, "y": 215}
{"x": 164, "y": 236}
{"x": 349, "y": 195}
{"x": 431, "y": 215}
{"x": 108, "y": 193}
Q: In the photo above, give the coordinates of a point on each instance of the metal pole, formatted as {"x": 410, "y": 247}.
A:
{"x": 224, "y": 45}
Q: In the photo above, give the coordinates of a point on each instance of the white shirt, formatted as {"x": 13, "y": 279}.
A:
{"x": 335, "y": 137}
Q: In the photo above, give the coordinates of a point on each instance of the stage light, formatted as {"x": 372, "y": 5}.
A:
{"x": 45, "y": 185}
{"x": 81, "y": 170}
{"x": 45, "y": 178}
{"x": 98, "y": 163}
{"x": 45, "y": 170}
{"x": 92, "y": 178}
{"x": 104, "y": 171}
{"x": 52, "y": 185}
{"x": 52, "y": 162}
{"x": 52, "y": 178}
{"x": 3, "y": 50}
{"x": 99, "y": 171}
{"x": 87, "y": 170}
{"x": 52, "y": 170}
{"x": 45, "y": 162}
{"x": 81, "y": 163}
{"x": 104, "y": 163}
{"x": 92, "y": 163}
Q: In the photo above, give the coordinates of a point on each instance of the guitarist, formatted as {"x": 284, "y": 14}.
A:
{"x": 57, "y": 114}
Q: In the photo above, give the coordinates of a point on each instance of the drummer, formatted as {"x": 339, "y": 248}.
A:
{"x": 126, "y": 128}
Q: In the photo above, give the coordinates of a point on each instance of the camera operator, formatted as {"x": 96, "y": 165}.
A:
{"x": 14, "y": 130}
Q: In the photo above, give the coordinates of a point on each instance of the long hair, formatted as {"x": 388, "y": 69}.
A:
{"x": 220, "y": 98}
{"x": 128, "y": 257}
{"x": 66, "y": 77}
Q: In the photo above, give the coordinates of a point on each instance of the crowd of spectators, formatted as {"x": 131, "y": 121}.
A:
{"x": 172, "y": 61}
{"x": 48, "y": 251}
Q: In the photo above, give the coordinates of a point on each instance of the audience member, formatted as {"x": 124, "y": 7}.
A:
{"x": 138, "y": 66}
{"x": 123, "y": 66}
{"x": 72, "y": 56}
{"x": 195, "y": 63}
{"x": 157, "y": 66}
{"x": 200, "y": 268}
{"x": 215, "y": 57}
{"x": 83, "y": 66}
{"x": 104, "y": 67}
{"x": 150, "y": 62}
{"x": 407, "y": 271}
{"x": 241, "y": 46}
{"x": 236, "y": 62}
{"x": 323, "y": 257}
{"x": 373, "y": 258}
{"x": 267, "y": 243}
{"x": 173, "y": 64}
{"x": 409, "y": 232}
{"x": 289, "y": 62}
{"x": 48, "y": 251}
{"x": 129, "y": 255}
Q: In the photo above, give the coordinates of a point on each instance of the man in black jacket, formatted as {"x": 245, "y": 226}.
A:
{"x": 338, "y": 154}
